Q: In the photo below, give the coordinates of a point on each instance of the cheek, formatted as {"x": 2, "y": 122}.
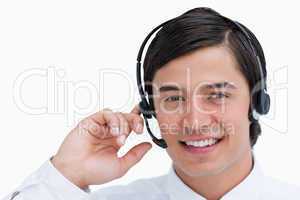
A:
{"x": 236, "y": 117}
{"x": 237, "y": 109}
{"x": 238, "y": 130}
{"x": 170, "y": 129}
{"x": 168, "y": 124}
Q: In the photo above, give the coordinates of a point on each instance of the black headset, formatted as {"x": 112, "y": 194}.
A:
{"x": 261, "y": 107}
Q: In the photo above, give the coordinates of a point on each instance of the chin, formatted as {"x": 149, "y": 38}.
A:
{"x": 202, "y": 169}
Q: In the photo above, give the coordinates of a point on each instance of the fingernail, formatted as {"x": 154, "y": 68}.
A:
{"x": 115, "y": 131}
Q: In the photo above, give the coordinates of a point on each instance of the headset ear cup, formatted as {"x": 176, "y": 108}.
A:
{"x": 263, "y": 104}
{"x": 267, "y": 103}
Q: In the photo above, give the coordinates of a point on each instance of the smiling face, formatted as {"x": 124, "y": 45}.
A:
{"x": 203, "y": 95}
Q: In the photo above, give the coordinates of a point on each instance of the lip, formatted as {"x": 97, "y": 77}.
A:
{"x": 202, "y": 150}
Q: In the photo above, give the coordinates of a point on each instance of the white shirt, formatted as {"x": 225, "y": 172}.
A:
{"x": 47, "y": 183}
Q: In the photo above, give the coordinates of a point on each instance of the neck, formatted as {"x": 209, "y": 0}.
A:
{"x": 215, "y": 186}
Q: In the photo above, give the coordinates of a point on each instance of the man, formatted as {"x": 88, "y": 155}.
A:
{"x": 205, "y": 77}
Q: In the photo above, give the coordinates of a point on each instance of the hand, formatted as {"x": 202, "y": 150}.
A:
{"x": 88, "y": 155}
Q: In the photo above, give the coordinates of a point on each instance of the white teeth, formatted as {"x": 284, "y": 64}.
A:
{"x": 202, "y": 143}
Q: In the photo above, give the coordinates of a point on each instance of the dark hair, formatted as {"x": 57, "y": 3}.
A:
{"x": 199, "y": 28}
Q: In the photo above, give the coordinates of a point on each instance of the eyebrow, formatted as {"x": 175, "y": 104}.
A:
{"x": 220, "y": 85}
{"x": 168, "y": 88}
{"x": 206, "y": 86}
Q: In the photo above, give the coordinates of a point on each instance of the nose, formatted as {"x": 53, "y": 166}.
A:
{"x": 196, "y": 118}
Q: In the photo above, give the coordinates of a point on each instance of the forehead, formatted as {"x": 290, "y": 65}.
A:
{"x": 203, "y": 66}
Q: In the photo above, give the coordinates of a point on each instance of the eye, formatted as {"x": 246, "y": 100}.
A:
{"x": 218, "y": 96}
{"x": 174, "y": 98}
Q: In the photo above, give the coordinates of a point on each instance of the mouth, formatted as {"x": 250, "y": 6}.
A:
{"x": 201, "y": 145}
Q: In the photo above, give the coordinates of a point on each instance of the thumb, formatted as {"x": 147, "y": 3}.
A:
{"x": 134, "y": 155}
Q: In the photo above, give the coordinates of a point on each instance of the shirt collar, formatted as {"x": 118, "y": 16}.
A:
{"x": 249, "y": 188}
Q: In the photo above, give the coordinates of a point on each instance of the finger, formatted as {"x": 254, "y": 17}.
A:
{"x": 124, "y": 124}
{"x": 98, "y": 116}
{"x": 107, "y": 117}
{"x": 107, "y": 121}
{"x": 116, "y": 142}
{"x": 134, "y": 155}
{"x": 91, "y": 127}
{"x": 136, "y": 110}
{"x": 136, "y": 122}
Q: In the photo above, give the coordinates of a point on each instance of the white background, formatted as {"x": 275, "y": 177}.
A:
{"x": 78, "y": 39}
